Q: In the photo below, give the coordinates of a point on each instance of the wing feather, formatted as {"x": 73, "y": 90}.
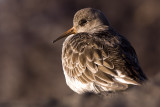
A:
{"x": 92, "y": 62}
{"x": 89, "y": 74}
{"x": 82, "y": 60}
{"x": 97, "y": 54}
{"x": 98, "y": 62}
{"x": 92, "y": 66}
{"x": 107, "y": 70}
{"x": 104, "y": 77}
{"x": 89, "y": 53}
{"x": 75, "y": 57}
{"x": 80, "y": 78}
{"x": 108, "y": 64}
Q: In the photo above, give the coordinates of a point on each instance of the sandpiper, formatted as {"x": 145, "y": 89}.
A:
{"x": 95, "y": 58}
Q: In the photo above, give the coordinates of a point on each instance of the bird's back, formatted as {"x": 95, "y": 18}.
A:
{"x": 99, "y": 61}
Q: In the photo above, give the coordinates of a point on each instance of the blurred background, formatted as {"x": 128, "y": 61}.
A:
{"x": 30, "y": 64}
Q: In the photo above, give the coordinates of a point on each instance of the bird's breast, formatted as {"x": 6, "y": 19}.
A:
{"x": 72, "y": 62}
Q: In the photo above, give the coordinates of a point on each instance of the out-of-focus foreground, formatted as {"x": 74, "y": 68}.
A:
{"x": 30, "y": 65}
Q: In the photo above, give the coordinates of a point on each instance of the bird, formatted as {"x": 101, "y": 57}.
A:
{"x": 96, "y": 58}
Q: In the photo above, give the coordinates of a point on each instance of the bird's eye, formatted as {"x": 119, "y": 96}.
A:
{"x": 82, "y": 22}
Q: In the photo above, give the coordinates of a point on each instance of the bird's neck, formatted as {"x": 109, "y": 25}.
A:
{"x": 99, "y": 28}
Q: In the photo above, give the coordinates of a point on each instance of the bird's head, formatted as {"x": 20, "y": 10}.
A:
{"x": 84, "y": 21}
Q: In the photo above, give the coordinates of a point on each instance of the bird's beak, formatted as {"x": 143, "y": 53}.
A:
{"x": 69, "y": 32}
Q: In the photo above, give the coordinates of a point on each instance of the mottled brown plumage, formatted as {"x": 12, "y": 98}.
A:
{"x": 96, "y": 58}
